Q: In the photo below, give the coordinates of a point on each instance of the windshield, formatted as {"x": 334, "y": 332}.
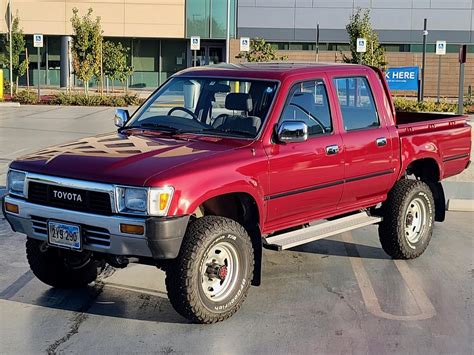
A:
{"x": 215, "y": 106}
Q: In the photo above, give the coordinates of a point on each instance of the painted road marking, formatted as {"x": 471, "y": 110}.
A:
{"x": 371, "y": 301}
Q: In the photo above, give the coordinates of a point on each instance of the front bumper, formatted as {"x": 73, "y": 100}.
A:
{"x": 161, "y": 240}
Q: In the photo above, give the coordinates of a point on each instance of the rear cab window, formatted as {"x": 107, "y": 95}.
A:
{"x": 357, "y": 103}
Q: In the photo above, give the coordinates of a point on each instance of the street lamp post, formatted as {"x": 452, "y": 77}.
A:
{"x": 425, "y": 35}
{"x": 227, "y": 44}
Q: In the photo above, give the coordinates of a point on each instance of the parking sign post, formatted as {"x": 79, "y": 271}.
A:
{"x": 195, "y": 46}
{"x": 361, "y": 47}
{"x": 440, "y": 51}
{"x": 38, "y": 43}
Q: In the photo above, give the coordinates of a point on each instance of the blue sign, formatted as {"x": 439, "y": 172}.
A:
{"x": 405, "y": 78}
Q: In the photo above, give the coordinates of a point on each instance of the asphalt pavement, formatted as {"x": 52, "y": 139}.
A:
{"x": 337, "y": 295}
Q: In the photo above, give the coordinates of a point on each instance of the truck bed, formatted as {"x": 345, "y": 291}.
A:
{"x": 446, "y": 136}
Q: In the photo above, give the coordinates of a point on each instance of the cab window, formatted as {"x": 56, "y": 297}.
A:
{"x": 308, "y": 102}
{"x": 357, "y": 103}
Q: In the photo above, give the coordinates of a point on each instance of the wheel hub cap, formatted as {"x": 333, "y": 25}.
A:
{"x": 219, "y": 271}
{"x": 415, "y": 220}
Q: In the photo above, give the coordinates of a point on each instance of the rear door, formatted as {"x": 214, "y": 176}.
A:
{"x": 366, "y": 139}
{"x": 306, "y": 178}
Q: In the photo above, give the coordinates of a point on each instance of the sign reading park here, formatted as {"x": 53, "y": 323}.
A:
{"x": 405, "y": 78}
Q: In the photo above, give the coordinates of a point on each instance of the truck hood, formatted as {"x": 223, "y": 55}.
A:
{"x": 130, "y": 158}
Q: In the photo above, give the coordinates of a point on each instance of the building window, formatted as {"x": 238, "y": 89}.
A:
{"x": 208, "y": 18}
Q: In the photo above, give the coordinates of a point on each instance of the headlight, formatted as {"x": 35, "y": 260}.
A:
{"x": 149, "y": 201}
{"x": 16, "y": 183}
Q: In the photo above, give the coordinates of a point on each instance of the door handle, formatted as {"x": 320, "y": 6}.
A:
{"x": 332, "y": 149}
{"x": 381, "y": 142}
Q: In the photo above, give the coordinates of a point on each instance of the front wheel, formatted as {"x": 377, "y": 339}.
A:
{"x": 408, "y": 217}
{"x": 210, "y": 278}
{"x": 62, "y": 268}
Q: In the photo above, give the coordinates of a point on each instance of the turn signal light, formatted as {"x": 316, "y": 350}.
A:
{"x": 132, "y": 229}
{"x": 164, "y": 197}
{"x": 10, "y": 207}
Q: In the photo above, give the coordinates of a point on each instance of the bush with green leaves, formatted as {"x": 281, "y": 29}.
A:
{"x": 18, "y": 47}
{"x": 26, "y": 97}
{"x": 359, "y": 27}
{"x": 115, "y": 62}
{"x": 86, "y": 46}
{"x": 260, "y": 51}
{"x": 410, "y": 105}
{"x": 95, "y": 100}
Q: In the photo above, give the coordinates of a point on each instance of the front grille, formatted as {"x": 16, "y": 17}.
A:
{"x": 91, "y": 235}
{"x": 94, "y": 201}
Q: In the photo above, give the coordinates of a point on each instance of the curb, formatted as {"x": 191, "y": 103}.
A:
{"x": 9, "y": 104}
{"x": 460, "y": 205}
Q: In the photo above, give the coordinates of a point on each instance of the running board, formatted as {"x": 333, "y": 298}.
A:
{"x": 320, "y": 231}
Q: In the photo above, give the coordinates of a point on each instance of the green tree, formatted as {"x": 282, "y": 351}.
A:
{"x": 87, "y": 41}
{"x": 18, "y": 47}
{"x": 260, "y": 51}
{"x": 359, "y": 27}
{"x": 115, "y": 62}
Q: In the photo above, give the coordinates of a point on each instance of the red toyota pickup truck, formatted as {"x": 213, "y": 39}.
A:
{"x": 222, "y": 161}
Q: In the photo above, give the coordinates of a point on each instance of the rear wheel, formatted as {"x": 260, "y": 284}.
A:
{"x": 408, "y": 217}
{"x": 62, "y": 268}
{"x": 209, "y": 280}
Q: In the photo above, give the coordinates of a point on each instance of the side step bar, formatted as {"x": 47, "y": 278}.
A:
{"x": 320, "y": 231}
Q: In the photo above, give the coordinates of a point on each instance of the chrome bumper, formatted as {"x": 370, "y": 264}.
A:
{"x": 100, "y": 233}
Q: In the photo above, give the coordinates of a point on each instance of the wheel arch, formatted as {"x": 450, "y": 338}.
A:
{"x": 429, "y": 170}
{"x": 244, "y": 209}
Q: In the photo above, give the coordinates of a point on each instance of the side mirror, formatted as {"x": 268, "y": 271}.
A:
{"x": 292, "y": 132}
{"x": 121, "y": 117}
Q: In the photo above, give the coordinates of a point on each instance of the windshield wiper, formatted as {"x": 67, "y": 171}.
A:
{"x": 160, "y": 127}
{"x": 236, "y": 132}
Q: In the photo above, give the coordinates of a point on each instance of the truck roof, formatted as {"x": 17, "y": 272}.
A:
{"x": 268, "y": 70}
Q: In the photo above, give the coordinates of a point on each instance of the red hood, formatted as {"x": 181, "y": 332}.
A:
{"x": 128, "y": 159}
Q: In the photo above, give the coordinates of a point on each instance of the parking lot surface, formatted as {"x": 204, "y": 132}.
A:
{"x": 338, "y": 295}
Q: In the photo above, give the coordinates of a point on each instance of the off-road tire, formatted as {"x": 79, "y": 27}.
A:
{"x": 50, "y": 265}
{"x": 184, "y": 279}
{"x": 393, "y": 230}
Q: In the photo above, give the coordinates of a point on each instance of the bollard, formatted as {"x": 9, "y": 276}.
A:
{"x": 1, "y": 85}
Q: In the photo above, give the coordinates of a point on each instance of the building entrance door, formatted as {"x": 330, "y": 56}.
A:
{"x": 210, "y": 53}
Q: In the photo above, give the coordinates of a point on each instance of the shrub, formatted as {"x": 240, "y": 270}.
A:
{"x": 26, "y": 97}
{"x": 407, "y": 105}
{"x": 94, "y": 100}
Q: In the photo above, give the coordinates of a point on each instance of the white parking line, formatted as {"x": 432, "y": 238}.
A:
{"x": 371, "y": 301}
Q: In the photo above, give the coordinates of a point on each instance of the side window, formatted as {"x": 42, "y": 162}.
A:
{"x": 357, "y": 103}
{"x": 308, "y": 102}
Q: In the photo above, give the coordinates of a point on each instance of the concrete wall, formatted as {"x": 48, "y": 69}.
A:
{"x": 397, "y": 21}
{"x": 449, "y": 67}
{"x": 124, "y": 18}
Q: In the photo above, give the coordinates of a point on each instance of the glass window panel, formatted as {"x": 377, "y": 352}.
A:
{"x": 173, "y": 56}
{"x": 197, "y": 18}
{"x": 357, "y": 103}
{"x": 309, "y": 103}
{"x": 145, "y": 55}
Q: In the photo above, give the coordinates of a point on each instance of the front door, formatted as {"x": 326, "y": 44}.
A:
{"x": 306, "y": 178}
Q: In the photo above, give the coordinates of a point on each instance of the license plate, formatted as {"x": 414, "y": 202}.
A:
{"x": 64, "y": 235}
